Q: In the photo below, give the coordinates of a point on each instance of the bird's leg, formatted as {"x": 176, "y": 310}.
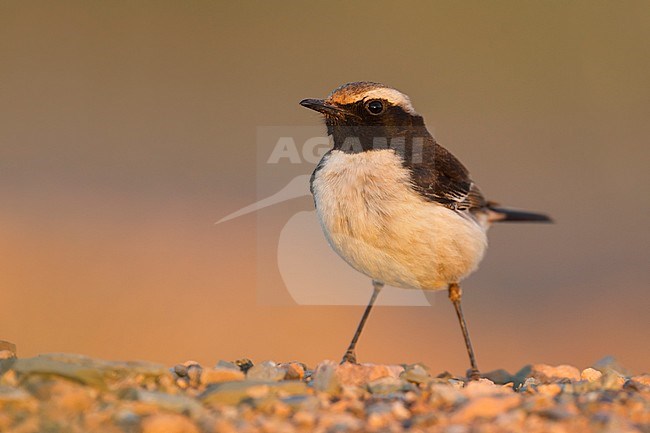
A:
{"x": 350, "y": 355}
{"x": 455, "y": 294}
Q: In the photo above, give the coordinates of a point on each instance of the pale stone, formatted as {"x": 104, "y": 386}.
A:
{"x": 127, "y": 420}
{"x": 168, "y": 423}
{"x": 226, "y": 364}
{"x": 377, "y": 421}
{"x": 267, "y": 370}
{"x": 97, "y": 421}
{"x": 360, "y": 374}
{"x": 112, "y": 369}
{"x": 445, "y": 395}
{"x": 551, "y": 389}
{"x": 590, "y": 374}
{"x": 170, "y": 402}
{"x": 236, "y": 392}
{"x": 71, "y": 397}
{"x": 8, "y": 378}
{"x": 416, "y": 373}
{"x": 272, "y": 425}
{"x": 89, "y": 371}
{"x": 15, "y": 396}
{"x": 340, "y": 422}
{"x": 215, "y": 375}
{"x": 457, "y": 429}
{"x": 387, "y": 385}
{"x": 484, "y": 387}
{"x": 9, "y": 347}
{"x": 325, "y": 378}
{"x": 182, "y": 382}
{"x": 194, "y": 371}
{"x": 293, "y": 371}
{"x": 643, "y": 379}
{"x": 485, "y": 407}
{"x": 223, "y": 426}
{"x": 399, "y": 411}
{"x": 304, "y": 419}
{"x": 41, "y": 365}
{"x": 7, "y": 354}
{"x": 548, "y": 373}
{"x": 180, "y": 370}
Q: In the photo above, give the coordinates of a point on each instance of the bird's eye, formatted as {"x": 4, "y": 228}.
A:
{"x": 375, "y": 107}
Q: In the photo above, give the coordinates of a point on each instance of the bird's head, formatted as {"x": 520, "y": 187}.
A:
{"x": 367, "y": 110}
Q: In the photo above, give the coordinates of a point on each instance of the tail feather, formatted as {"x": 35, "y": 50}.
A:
{"x": 499, "y": 214}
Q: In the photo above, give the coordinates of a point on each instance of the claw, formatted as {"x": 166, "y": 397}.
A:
{"x": 350, "y": 357}
{"x": 473, "y": 374}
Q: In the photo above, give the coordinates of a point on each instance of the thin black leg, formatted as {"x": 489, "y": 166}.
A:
{"x": 455, "y": 295}
{"x": 350, "y": 354}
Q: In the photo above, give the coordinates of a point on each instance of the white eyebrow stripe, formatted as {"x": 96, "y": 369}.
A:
{"x": 393, "y": 96}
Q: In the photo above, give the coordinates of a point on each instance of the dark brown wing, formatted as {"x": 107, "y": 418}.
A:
{"x": 441, "y": 178}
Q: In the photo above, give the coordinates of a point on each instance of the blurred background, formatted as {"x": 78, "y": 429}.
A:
{"x": 128, "y": 128}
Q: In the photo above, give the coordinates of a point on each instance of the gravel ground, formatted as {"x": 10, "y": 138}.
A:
{"x": 73, "y": 393}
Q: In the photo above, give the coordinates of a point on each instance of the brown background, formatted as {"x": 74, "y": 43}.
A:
{"x": 128, "y": 128}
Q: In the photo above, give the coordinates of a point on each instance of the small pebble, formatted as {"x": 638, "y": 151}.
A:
{"x": 416, "y": 373}
{"x": 168, "y": 423}
{"x": 7, "y": 354}
{"x": 590, "y": 374}
{"x": 266, "y": 371}
{"x": 293, "y": 371}
{"x": 7, "y": 350}
{"x": 485, "y": 407}
{"x": 400, "y": 411}
{"x": 549, "y": 374}
{"x": 215, "y": 375}
{"x": 325, "y": 379}
{"x": 358, "y": 374}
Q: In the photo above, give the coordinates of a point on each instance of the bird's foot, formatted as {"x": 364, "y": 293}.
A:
{"x": 350, "y": 357}
{"x": 473, "y": 374}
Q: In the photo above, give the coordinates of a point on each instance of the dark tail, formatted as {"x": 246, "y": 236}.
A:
{"x": 499, "y": 214}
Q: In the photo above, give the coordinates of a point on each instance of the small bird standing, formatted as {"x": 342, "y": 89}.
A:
{"x": 396, "y": 205}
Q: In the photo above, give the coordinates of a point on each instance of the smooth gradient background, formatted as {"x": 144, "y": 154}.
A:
{"x": 128, "y": 128}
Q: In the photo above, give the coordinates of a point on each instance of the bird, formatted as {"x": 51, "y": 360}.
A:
{"x": 396, "y": 205}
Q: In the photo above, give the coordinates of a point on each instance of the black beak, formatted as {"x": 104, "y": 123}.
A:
{"x": 322, "y": 107}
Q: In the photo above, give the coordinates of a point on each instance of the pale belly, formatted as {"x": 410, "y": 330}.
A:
{"x": 382, "y": 228}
